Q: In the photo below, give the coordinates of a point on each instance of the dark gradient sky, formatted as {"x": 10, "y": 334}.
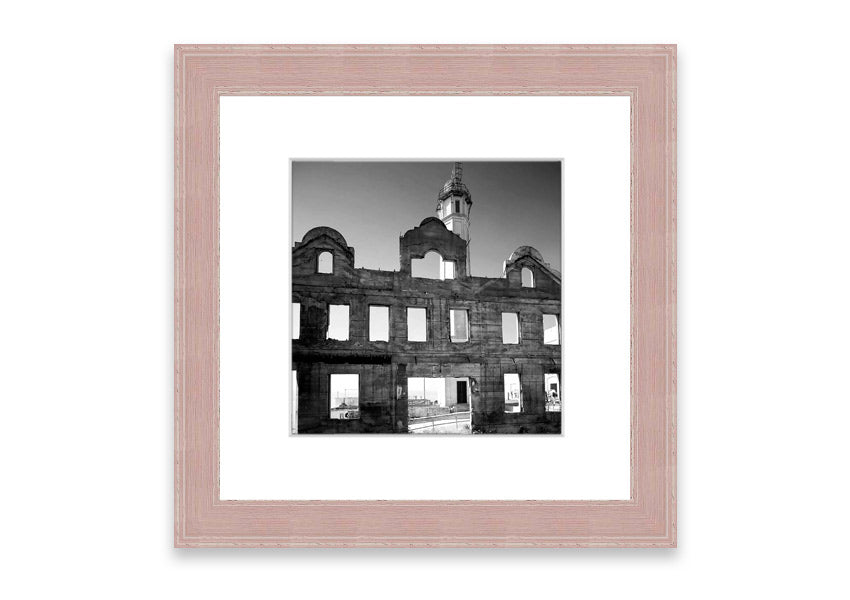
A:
{"x": 372, "y": 203}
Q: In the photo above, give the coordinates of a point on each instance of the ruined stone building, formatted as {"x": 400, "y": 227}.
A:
{"x": 375, "y": 351}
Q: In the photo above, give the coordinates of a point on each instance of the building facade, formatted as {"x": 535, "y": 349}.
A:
{"x": 383, "y": 351}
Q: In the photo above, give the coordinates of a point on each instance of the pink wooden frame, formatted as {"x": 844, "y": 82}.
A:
{"x": 645, "y": 73}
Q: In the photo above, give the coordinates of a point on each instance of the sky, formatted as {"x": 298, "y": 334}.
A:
{"x": 372, "y": 203}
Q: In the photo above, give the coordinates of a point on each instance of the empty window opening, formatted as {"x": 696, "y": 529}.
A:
{"x": 430, "y": 389}
{"x": 438, "y": 405}
{"x": 553, "y": 392}
{"x": 326, "y": 263}
{"x": 345, "y": 396}
{"x": 293, "y": 404}
{"x": 510, "y": 328}
{"x": 459, "y": 322}
{"x": 462, "y": 391}
{"x": 513, "y": 393}
{"x": 296, "y": 320}
{"x": 527, "y": 278}
{"x": 429, "y": 267}
{"x": 338, "y": 322}
{"x": 416, "y": 325}
{"x": 457, "y": 206}
{"x": 432, "y": 266}
{"x": 379, "y": 323}
{"x": 551, "y": 335}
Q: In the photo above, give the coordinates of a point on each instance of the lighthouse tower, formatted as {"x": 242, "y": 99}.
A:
{"x": 454, "y": 205}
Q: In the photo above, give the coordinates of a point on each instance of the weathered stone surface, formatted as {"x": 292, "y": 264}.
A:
{"x": 384, "y": 367}
{"x": 432, "y": 234}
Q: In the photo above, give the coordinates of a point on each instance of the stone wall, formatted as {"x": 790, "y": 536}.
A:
{"x": 384, "y": 367}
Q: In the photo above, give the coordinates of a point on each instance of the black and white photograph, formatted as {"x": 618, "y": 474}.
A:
{"x": 426, "y": 297}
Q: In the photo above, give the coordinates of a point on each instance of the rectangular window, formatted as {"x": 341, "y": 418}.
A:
{"x": 293, "y": 404}
{"x": 459, "y": 325}
{"x": 296, "y": 320}
{"x": 379, "y": 323}
{"x": 448, "y": 269}
{"x": 338, "y": 322}
{"x": 513, "y": 393}
{"x": 510, "y": 328}
{"x": 551, "y": 334}
{"x": 416, "y": 325}
{"x": 553, "y": 392}
{"x": 345, "y": 396}
{"x": 457, "y": 206}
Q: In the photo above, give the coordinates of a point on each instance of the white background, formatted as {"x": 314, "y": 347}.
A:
{"x": 86, "y": 324}
{"x": 260, "y": 461}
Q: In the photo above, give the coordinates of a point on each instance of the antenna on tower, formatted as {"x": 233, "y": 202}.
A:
{"x": 457, "y": 172}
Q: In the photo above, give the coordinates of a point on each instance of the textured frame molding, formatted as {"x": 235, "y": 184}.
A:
{"x": 646, "y": 73}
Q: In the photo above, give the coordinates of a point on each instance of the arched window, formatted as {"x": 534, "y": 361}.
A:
{"x": 325, "y": 263}
{"x": 527, "y": 278}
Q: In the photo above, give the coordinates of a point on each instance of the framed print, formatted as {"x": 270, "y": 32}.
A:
{"x": 425, "y": 296}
